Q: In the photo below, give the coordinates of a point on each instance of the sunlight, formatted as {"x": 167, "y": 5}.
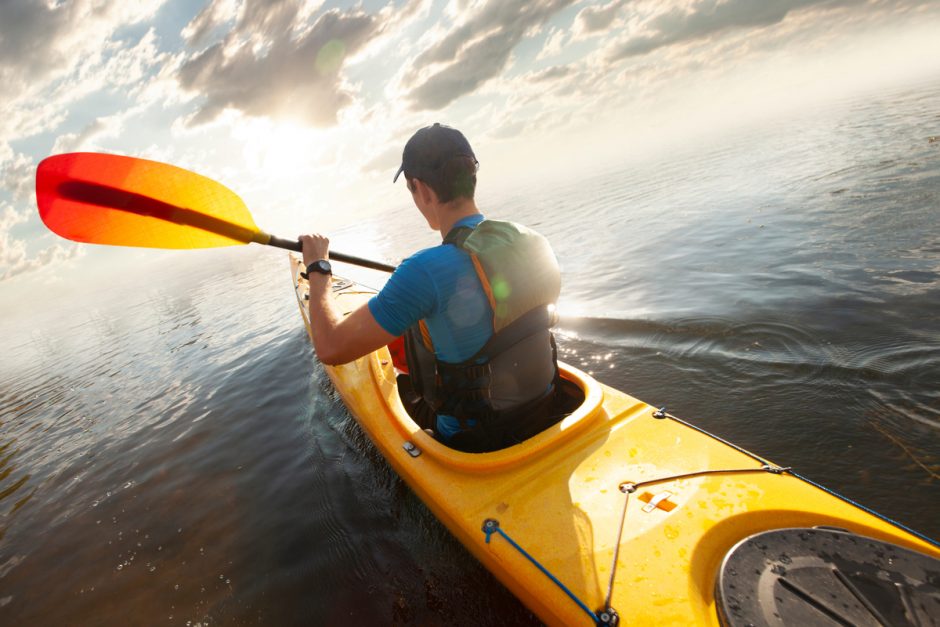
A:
{"x": 278, "y": 150}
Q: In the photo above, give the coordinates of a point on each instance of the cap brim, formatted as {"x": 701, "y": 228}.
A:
{"x": 397, "y": 174}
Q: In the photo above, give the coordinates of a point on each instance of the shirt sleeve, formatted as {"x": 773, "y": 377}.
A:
{"x": 408, "y": 296}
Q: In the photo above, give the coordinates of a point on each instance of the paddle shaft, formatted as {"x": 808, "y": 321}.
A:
{"x": 335, "y": 256}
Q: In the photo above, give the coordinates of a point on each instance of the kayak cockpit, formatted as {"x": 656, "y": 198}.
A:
{"x": 563, "y": 400}
{"x": 580, "y": 404}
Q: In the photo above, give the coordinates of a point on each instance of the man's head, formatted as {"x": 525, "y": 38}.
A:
{"x": 441, "y": 157}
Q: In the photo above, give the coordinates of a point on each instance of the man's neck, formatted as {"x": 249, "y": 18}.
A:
{"x": 451, "y": 213}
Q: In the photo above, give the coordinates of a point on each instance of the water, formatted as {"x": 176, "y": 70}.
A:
{"x": 170, "y": 451}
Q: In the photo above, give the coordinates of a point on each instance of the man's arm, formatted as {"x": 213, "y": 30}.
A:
{"x": 337, "y": 339}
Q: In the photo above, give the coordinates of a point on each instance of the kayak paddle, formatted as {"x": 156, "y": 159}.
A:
{"x": 125, "y": 201}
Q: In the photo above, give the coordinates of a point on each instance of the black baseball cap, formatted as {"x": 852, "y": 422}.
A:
{"x": 430, "y": 148}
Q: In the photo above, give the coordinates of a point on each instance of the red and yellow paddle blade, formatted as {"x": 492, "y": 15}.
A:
{"x": 124, "y": 201}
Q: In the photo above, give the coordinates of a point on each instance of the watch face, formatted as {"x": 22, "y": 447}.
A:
{"x": 322, "y": 266}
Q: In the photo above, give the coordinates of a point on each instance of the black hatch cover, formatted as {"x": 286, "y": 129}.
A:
{"x": 825, "y": 576}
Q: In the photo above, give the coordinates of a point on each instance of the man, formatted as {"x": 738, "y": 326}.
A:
{"x": 472, "y": 310}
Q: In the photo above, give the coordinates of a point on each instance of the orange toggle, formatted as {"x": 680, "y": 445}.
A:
{"x": 664, "y": 504}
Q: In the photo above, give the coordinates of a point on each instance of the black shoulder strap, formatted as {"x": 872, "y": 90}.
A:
{"x": 458, "y": 235}
{"x": 521, "y": 328}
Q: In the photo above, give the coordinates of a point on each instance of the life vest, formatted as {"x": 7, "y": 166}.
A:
{"x": 517, "y": 368}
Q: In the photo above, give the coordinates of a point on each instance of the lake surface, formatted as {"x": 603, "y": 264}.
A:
{"x": 171, "y": 452}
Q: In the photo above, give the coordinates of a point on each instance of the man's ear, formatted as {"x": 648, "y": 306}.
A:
{"x": 424, "y": 191}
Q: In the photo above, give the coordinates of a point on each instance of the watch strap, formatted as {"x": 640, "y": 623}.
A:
{"x": 317, "y": 268}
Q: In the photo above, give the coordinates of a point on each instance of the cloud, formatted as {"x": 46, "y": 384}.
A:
{"x": 14, "y": 259}
{"x": 214, "y": 14}
{"x": 16, "y": 177}
{"x": 84, "y": 139}
{"x": 707, "y": 17}
{"x": 474, "y": 51}
{"x": 594, "y": 19}
{"x": 10, "y": 218}
{"x": 18, "y": 180}
{"x": 554, "y": 44}
{"x": 12, "y": 251}
{"x": 42, "y": 40}
{"x": 551, "y": 74}
{"x": 27, "y": 44}
{"x": 261, "y": 70}
{"x": 45, "y": 84}
{"x": 386, "y": 161}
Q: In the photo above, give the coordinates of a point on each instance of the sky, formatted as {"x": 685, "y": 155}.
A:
{"x": 302, "y": 107}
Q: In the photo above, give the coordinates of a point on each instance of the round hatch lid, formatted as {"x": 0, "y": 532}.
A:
{"x": 826, "y": 576}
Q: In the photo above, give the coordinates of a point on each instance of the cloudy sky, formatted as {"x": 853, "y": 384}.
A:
{"x": 302, "y": 106}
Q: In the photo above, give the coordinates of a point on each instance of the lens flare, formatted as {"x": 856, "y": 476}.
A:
{"x": 331, "y": 56}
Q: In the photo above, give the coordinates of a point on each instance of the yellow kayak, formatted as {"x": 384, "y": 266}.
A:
{"x": 623, "y": 512}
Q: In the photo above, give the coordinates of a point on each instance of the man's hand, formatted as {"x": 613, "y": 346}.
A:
{"x": 338, "y": 339}
{"x": 315, "y": 247}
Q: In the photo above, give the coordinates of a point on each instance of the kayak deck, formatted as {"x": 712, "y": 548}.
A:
{"x": 685, "y": 498}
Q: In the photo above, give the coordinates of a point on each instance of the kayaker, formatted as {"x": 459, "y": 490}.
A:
{"x": 472, "y": 310}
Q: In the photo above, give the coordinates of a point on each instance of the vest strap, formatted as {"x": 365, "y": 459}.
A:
{"x": 458, "y": 235}
{"x": 527, "y": 324}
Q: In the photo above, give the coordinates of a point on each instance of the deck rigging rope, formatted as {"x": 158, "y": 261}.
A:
{"x": 608, "y": 616}
{"x": 629, "y": 487}
{"x": 662, "y": 413}
{"x": 491, "y": 526}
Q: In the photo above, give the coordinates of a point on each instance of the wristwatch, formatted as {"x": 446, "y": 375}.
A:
{"x": 320, "y": 266}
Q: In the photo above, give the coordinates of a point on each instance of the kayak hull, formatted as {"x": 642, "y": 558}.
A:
{"x": 560, "y": 497}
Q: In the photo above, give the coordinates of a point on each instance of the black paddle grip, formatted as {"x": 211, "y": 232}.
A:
{"x": 334, "y": 256}
{"x": 359, "y": 261}
{"x": 289, "y": 244}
